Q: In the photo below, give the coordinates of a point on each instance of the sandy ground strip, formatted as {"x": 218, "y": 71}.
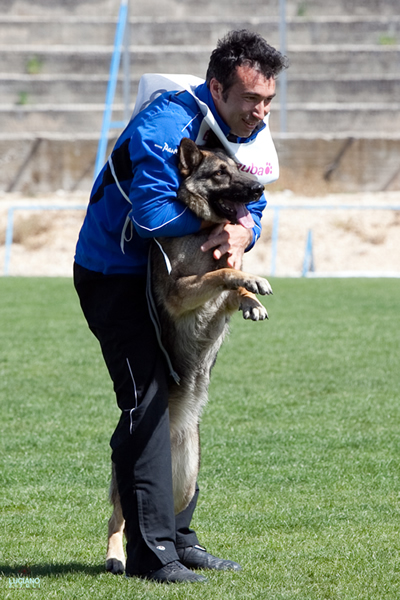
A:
{"x": 348, "y": 236}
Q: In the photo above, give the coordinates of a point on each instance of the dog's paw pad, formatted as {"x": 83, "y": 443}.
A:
{"x": 115, "y": 566}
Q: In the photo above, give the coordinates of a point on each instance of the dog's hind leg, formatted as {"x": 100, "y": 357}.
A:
{"x": 115, "y": 559}
{"x": 185, "y": 452}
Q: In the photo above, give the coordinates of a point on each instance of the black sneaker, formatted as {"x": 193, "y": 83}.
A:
{"x": 196, "y": 557}
{"x": 174, "y": 572}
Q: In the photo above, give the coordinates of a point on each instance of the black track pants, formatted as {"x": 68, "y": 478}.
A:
{"x": 116, "y": 310}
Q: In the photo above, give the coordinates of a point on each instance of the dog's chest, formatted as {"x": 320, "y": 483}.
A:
{"x": 195, "y": 338}
{"x": 186, "y": 256}
{"x": 192, "y": 337}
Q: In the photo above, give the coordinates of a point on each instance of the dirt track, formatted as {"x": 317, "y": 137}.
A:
{"x": 356, "y": 240}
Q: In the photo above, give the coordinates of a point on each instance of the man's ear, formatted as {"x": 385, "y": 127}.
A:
{"x": 190, "y": 157}
{"x": 216, "y": 90}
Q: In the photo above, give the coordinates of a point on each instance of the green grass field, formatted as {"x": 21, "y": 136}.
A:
{"x": 300, "y": 448}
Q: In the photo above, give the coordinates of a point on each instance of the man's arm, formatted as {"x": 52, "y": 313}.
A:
{"x": 156, "y": 211}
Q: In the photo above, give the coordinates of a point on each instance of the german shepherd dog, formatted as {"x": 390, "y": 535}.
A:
{"x": 195, "y": 299}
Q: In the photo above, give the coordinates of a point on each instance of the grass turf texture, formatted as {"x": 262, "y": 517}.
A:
{"x": 300, "y": 448}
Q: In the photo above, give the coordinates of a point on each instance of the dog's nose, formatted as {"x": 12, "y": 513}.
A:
{"x": 257, "y": 188}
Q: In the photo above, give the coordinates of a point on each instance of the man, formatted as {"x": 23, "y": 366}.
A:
{"x": 134, "y": 199}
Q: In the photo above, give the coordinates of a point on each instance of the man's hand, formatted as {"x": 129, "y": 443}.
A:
{"x": 229, "y": 239}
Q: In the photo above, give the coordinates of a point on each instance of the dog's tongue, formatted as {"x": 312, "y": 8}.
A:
{"x": 244, "y": 217}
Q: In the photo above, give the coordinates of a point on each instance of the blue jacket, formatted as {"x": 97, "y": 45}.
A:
{"x": 116, "y": 231}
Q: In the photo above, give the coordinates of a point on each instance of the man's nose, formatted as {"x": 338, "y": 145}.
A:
{"x": 261, "y": 110}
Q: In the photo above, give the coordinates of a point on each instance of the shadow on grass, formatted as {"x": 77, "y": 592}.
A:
{"x": 50, "y": 570}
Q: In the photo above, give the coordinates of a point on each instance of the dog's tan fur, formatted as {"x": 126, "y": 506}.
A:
{"x": 194, "y": 304}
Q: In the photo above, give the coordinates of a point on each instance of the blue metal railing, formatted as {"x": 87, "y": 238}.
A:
{"x": 121, "y": 39}
{"x": 308, "y": 262}
{"x": 283, "y": 74}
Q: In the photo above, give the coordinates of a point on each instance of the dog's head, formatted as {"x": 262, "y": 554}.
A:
{"x": 213, "y": 187}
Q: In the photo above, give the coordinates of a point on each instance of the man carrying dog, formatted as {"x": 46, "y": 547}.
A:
{"x": 133, "y": 200}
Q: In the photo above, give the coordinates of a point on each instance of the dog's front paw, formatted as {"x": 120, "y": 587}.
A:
{"x": 253, "y": 309}
{"x": 257, "y": 285}
{"x": 252, "y": 283}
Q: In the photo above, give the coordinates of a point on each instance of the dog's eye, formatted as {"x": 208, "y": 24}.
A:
{"x": 219, "y": 173}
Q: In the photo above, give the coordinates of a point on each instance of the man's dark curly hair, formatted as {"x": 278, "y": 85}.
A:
{"x": 243, "y": 47}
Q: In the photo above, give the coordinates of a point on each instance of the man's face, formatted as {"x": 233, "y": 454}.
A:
{"x": 247, "y": 101}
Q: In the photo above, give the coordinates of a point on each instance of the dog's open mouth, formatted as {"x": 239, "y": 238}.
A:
{"x": 236, "y": 212}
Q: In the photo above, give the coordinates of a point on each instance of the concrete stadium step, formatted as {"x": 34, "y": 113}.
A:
{"x": 60, "y": 7}
{"x": 30, "y": 90}
{"x": 351, "y": 119}
{"x": 55, "y": 118}
{"x": 244, "y": 8}
{"x": 63, "y": 88}
{"x": 69, "y": 30}
{"x": 330, "y": 61}
{"x": 185, "y": 8}
{"x": 346, "y": 89}
{"x": 79, "y": 30}
{"x": 318, "y": 30}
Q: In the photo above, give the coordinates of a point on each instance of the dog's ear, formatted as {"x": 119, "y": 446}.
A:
{"x": 212, "y": 141}
{"x": 190, "y": 156}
